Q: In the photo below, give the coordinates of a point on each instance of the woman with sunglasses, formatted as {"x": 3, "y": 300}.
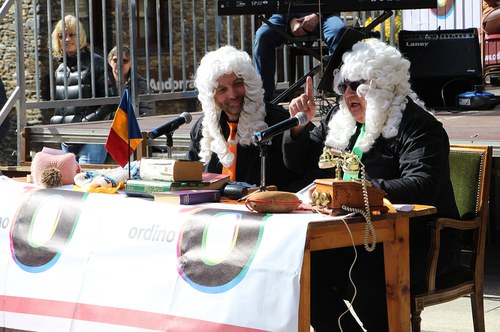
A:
{"x": 404, "y": 150}
{"x": 145, "y": 108}
{"x": 74, "y": 78}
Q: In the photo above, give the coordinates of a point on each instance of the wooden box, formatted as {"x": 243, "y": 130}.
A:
{"x": 338, "y": 193}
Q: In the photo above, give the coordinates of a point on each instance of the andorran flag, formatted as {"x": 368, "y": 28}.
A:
{"x": 124, "y": 135}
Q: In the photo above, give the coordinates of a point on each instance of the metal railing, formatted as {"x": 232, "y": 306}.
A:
{"x": 166, "y": 53}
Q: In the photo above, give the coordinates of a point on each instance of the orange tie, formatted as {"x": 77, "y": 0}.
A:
{"x": 231, "y": 170}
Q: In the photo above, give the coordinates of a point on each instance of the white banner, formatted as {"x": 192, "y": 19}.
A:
{"x": 71, "y": 261}
{"x": 448, "y": 15}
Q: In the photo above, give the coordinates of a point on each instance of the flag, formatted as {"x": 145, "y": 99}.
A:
{"x": 124, "y": 135}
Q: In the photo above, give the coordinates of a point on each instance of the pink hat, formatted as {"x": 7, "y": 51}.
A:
{"x": 51, "y": 158}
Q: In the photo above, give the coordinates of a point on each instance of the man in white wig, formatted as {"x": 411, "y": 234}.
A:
{"x": 405, "y": 152}
{"x": 231, "y": 96}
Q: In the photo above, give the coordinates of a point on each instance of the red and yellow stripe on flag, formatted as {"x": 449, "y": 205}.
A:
{"x": 124, "y": 135}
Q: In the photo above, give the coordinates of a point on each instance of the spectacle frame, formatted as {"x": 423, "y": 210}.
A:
{"x": 352, "y": 85}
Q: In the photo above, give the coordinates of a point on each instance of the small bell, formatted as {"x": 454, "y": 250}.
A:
{"x": 350, "y": 166}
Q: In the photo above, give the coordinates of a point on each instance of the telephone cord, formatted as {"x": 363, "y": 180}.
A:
{"x": 369, "y": 229}
{"x": 350, "y": 276}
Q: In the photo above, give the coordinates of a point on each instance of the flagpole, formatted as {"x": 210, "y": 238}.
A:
{"x": 124, "y": 134}
{"x": 130, "y": 154}
{"x": 129, "y": 131}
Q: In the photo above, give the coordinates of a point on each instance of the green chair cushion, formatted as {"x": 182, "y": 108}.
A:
{"x": 465, "y": 176}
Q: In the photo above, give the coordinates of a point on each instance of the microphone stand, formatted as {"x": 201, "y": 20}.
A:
{"x": 170, "y": 143}
{"x": 263, "y": 155}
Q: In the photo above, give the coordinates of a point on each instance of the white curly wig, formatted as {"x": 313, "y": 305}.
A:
{"x": 386, "y": 88}
{"x": 213, "y": 65}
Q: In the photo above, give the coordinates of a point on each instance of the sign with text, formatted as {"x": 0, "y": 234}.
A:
{"x": 72, "y": 261}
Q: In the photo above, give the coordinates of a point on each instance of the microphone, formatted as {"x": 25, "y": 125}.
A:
{"x": 299, "y": 119}
{"x": 170, "y": 126}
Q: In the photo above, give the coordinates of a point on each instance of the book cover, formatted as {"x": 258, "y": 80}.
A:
{"x": 163, "y": 169}
{"x": 147, "y": 188}
{"x": 187, "y": 197}
{"x": 215, "y": 180}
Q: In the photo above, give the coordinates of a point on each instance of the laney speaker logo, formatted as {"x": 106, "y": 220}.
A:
{"x": 416, "y": 44}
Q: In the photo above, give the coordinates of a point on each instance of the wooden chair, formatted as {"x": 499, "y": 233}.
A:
{"x": 470, "y": 172}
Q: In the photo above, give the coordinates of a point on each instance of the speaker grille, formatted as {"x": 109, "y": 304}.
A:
{"x": 444, "y": 63}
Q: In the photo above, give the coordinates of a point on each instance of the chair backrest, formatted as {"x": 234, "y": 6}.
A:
{"x": 470, "y": 173}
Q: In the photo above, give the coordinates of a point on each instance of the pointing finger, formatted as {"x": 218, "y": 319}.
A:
{"x": 309, "y": 88}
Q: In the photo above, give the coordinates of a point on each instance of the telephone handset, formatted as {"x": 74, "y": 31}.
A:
{"x": 335, "y": 196}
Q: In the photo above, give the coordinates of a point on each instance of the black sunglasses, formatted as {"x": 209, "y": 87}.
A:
{"x": 353, "y": 85}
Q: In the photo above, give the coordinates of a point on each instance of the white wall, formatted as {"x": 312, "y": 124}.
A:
{"x": 450, "y": 14}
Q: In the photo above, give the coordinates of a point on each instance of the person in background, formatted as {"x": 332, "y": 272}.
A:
{"x": 145, "y": 108}
{"x": 231, "y": 97}
{"x": 73, "y": 78}
{"x": 404, "y": 150}
{"x": 330, "y": 25}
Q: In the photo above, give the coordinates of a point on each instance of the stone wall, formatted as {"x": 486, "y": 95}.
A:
{"x": 8, "y": 56}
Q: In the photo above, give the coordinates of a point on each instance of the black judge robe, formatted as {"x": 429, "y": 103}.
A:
{"x": 248, "y": 162}
{"x": 412, "y": 167}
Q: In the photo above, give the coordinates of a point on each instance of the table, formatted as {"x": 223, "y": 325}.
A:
{"x": 94, "y": 262}
{"x": 91, "y": 279}
{"x": 393, "y": 231}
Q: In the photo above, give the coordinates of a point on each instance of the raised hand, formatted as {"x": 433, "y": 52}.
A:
{"x": 305, "y": 104}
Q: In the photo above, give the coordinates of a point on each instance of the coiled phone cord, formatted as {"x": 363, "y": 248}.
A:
{"x": 369, "y": 229}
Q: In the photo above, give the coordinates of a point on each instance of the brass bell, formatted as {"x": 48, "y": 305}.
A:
{"x": 320, "y": 199}
{"x": 351, "y": 161}
{"x": 350, "y": 166}
{"x": 315, "y": 197}
{"x": 324, "y": 199}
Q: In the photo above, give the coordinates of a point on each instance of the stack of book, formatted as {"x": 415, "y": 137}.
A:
{"x": 147, "y": 188}
{"x": 187, "y": 197}
{"x": 173, "y": 176}
{"x": 163, "y": 169}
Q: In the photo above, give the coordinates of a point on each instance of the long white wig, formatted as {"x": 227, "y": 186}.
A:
{"x": 386, "y": 88}
{"x": 213, "y": 65}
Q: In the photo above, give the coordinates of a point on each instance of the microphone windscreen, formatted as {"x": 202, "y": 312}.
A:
{"x": 302, "y": 118}
{"x": 187, "y": 116}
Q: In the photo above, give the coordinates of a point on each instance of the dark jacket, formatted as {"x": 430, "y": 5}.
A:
{"x": 146, "y": 108}
{"x": 412, "y": 167}
{"x": 248, "y": 160}
{"x": 82, "y": 113}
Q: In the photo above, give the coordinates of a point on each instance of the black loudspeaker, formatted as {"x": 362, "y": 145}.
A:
{"x": 444, "y": 64}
